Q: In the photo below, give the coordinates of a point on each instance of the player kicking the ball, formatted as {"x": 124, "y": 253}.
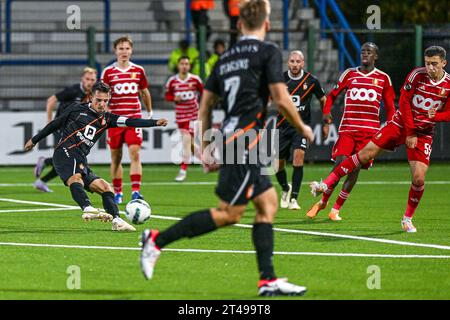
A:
{"x": 366, "y": 87}
{"x": 423, "y": 95}
{"x": 81, "y": 125}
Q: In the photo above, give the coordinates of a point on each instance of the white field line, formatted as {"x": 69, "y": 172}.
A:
{"x": 314, "y": 233}
{"x": 323, "y": 254}
{"x": 37, "y": 210}
{"x": 210, "y": 183}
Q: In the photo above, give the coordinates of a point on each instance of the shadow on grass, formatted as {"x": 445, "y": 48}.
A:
{"x": 13, "y": 230}
{"x": 123, "y": 293}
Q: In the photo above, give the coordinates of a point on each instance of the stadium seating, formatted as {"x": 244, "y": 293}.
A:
{"x": 39, "y": 32}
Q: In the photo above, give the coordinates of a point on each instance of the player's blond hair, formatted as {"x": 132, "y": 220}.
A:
{"x": 123, "y": 39}
{"x": 253, "y": 13}
{"x": 89, "y": 70}
{"x": 296, "y": 52}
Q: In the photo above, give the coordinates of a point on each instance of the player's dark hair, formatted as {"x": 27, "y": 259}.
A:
{"x": 123, "y": 39}
{"x": 101, "y": 87}
{"x": 253, "y": 13}
{"x": 435, "y": 51}
{"x": 371, "y": 44}
{"x": 184, "y": 57}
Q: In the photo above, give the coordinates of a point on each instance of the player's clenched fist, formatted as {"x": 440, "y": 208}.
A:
{"x": 162, "y": 122}
{"x": 29, "y": 145}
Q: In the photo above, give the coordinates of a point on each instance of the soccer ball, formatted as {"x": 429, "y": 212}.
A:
{"x": 138, "y": 211}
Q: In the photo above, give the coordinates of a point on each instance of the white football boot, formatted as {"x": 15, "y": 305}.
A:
{"x": 181, "y": 176}
{"x": 279, "y": 287}
{"x": 285, "y": 195}
{"x": 407, "y": 225}
{"x": 318, "y": 188}
{"x": 293, "y": 205}
{"x": 91, "y": 213}
{"x": 149, "y": 253}
{"x": 118, "y": 224}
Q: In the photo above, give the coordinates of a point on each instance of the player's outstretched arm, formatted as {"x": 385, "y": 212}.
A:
{"x": 138, "y": 122}
{"x": 281, "y": 98}
{"x": 51, "y": 127}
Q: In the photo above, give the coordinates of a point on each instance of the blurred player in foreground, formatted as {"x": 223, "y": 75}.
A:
{"x": 184, "y": 89}
{"x": 424, "y": 94}
{"x": 78, "y": 92}
{"x": 366, "y": 87}
{"x": 81, "y": 126}
{"x": 244, "y": 77}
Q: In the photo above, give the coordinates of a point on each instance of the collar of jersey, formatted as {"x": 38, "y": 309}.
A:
{"x": 249, "y": 38}
{"x": 438, "y": 82}
{"x": 92, "y": 109}
{"x": 296, "y": 78}
{"x": 187, "y": 78}
{"x": 368, "y": 73}
{"x": 116, "y": 65}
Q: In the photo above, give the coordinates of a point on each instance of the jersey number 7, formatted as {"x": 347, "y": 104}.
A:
{"x": 232, "y": 86}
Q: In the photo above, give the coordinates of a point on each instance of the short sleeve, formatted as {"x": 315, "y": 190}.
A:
{"x": 143, "y": 83}
{"x": 67, "y": 94}
{"x": 318, "y": 90}
{"x": 212, "y": 84}
{"x": 273, "y": 65}
{"x": 104, "y": 76}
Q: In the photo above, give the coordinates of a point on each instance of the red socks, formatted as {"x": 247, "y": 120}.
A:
{"x": 347, "y": 166}
{"x": 117, "y": 185}
{"x": 135, "y": 182}
{"x": 415, "y": 194}
{"x": 343, "y": 195}
{"x": 183, "y": 166}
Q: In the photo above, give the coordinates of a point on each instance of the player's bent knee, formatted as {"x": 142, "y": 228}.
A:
{"x": 76, "y": 178}
{"x": 233, "y": 216}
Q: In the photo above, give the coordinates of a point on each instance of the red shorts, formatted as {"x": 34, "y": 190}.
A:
{"x": 349, "y": 143}
{"x": 187, "y": 125}
{"x": 392, "y": 136}
{"x": 118, "y": 136}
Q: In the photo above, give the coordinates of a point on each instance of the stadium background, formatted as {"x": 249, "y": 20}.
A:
{"x": 40, "y": 55}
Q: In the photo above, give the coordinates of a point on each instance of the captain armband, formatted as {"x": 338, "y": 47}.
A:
{"x": 121, "y": 121}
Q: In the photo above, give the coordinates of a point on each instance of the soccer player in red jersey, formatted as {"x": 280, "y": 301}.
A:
{"x": 424, "y": 95}
{"x": 127, "y": 81}
{"x": 366, "y": 87}
{"x": 184, "y": 90}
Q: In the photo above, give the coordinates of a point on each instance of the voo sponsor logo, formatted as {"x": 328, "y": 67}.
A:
{"x": 126, "y": 88}
{"x": 186, "y": 95}
{"x": 425, "y": 103}
{"x": 363, "y": 94}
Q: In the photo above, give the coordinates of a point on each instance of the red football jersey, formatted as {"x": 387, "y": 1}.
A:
{"x": 189, "y": 90}
{"x": 365, "y": 91}
{"x": 125, "y": 86}
{"x": 418, "y": 95}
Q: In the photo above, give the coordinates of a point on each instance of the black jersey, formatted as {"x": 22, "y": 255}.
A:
{"x": 301, "y": 90}
{"x": 69, "y": 95}
{"x": 241, "y": 78}
{"x": 81, "y": 126}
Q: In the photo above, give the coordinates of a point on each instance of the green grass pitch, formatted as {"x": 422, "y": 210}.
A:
{"x": 309, "y": 253}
